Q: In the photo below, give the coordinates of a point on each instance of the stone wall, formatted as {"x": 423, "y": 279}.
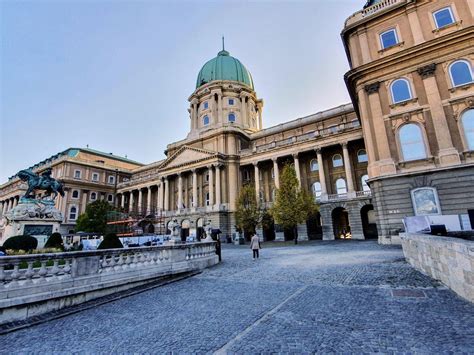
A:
{"x": 31, "y": 285}
{"x": 392, "y": 198}
{"x": 450, "y": 260}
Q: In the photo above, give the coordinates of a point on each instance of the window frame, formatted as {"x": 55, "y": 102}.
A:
{"x": 450, "y": 10}
{"x": 205, "y": 105}
{"x": 423, "y": 141}
{"x": 208, "y": 199}
{"x": 311, "y": 165}
{"x": 467, "y": 144}
{"x": 469, "y": 66}
{"x": 231, "y": 102}
{"x": 111, "y": 199}
{"x": 314, "y": 192}
{"x": 345, "y": 186}
{"x": 394, "y": 30}
{"x": 93, "y": 193}
{"x": 80, "y": 174}
{"x": 78, "y": 195}
{"x": 97, "y": 179}
{"x": 234, "y": 119}
{"x": 366, "y": 155}
{"x": 70, "y": 213}
{"x": 333, "y": 159}
{"x": 364, "y": 182}
{"x": 410, "y": 92}
{"x": 111, "y": 179}
{"x": 204, "y": 120}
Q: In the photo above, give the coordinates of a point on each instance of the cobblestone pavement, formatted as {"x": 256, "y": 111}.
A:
{"x": 326, "y": 297}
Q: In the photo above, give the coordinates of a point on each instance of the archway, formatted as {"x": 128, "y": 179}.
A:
{"x": 185, "y": 226}
{"x": 340, "y": 223}
{"x": 268, "y": 227}
{"x": 314, "y": 227}
{"x": 200, "y": 229}
{"x": 369, "y": 222}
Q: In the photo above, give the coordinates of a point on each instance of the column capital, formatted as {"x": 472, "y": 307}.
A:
{"x": 295, "y": 156}
{"x": 217, "y": 165}
{"x": 255, "y": 164}
{"x": 193, "y": 170}
{"x": 372, "y": 88}
{"x": 427, "y": 70}
{"x": 344, "y": 144}
{"x": 275, "y": 160}
{"x": 194, "y": 101}
{"x": 318, "y": 150}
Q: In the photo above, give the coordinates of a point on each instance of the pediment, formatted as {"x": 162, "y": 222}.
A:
{"x": 187, "y": 155}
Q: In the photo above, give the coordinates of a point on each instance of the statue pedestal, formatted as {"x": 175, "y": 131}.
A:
{"x": 33, "y": 217}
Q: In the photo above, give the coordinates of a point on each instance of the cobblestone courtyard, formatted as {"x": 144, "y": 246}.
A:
{"x": 324, "y": 297}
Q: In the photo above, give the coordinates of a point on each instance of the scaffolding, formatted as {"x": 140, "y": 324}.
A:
{"x": 136, "y": 223}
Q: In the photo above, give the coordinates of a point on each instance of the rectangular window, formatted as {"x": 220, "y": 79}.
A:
{"x": 95, "y": 177}
{"x": 77, "y": 174}
{"x": 111, "y": 179}
{"x": 388, "y": 38}
{"x": 231, "y": 102}
{"x": 443, "y": 17}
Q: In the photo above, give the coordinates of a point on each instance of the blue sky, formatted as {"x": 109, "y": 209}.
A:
{"x": 116, "y": 75}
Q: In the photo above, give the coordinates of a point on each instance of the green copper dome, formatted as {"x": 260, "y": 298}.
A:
{"x": 224, "y": 67}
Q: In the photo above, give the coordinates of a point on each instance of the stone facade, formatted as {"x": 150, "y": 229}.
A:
{"x": 449, "y": 260}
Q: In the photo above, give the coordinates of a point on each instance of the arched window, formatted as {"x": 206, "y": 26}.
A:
{"x": 313, "y": 165}
{"x": 400, "y": 90}
{"x": 231, "y": 117}
{"x": 75, "y": 194}
{"x": 411, "y": 142}
{"x": 467, "y": 121}
{"x": 363, "y": 179}
{"x": 316, "y": 188}
{"x": 110, "y": 198}
{"x": 205, "y": 120}
{"x": 206, "y": 105}
{"x": 337, "y": 160}
{"x": 443, "y": 17}
{"x": 460, "y": 72}
{"x": 362, "y": 156}
{"x": 73, "y": 213}
{"x": 341, "y": 187}
{"x": 93, "y": 196}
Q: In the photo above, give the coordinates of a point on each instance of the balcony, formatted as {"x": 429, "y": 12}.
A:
{"x": 372, "y": 10}
{"x": 346, "y": 196}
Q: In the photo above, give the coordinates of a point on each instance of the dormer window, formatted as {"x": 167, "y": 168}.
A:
{"x": 388, "y": 38}
{"x": 231, "y": 117}
{"x": 443, "y": 17}
{"x": 205, "y": 120}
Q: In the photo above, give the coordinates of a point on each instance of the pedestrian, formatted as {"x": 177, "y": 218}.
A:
{"x": 255, "y": 246}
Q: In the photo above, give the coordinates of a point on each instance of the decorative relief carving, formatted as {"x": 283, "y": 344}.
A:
{"x": 427, "y": 70}
{"x": 372, "y": 88}
{"x": 413, "y": 116}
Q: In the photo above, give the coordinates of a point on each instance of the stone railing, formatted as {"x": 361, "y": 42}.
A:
{"x": 346, "y": 196}
{"x": 449, "y": 260}
{"x": 35, "y": 284}
{"x": 371, "y": 10}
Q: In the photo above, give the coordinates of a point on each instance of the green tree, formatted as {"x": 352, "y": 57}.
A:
{"x": 248, "y": 213}
{"x": 94, "y": 219}
{"x": 292, "y": 205}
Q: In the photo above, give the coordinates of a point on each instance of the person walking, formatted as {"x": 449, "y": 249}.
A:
{"x": 255, "y": 246}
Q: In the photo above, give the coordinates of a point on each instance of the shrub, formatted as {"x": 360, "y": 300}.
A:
{"x": 111, "y": 241}
{"x": 21, "y": 242}
{"x": 55, "y": 241}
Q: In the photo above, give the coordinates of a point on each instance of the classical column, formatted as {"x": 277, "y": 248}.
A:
{"x": 1, "y": 208}
{"x": 257, "y": 181}
{"x": 122, "y": 200}
{"x": 448, "y": 155}
{"x": 159, "y": 196}
{"x": 84, "y": 200}
{"x": 195, "y": 189}
{"x": 180, "y": 191}
{"x": 131, "y": 202}
{"x": 385, "y": 164}
{"x": 219, "y": 108}
{"x": 15, "y": 202}
{"x": 297, "y": 168}
{"x": 276, "y": 173}
{"x": 233, "y": 184}
{"x": 211, "y": 185}
{"x": 140, "y": 201}
{"x": 243, "y": 110}
{"x": 64, "y": 205}
{"x": 167, "y": 194}
{"x": 148, "y": 200}
{"x": 415, "y": 24}
{"x": 322, "y": 175}
{"x": 348, "y": 168}
{"x": 367, "y": 130}
{"x": 218, "y": 186}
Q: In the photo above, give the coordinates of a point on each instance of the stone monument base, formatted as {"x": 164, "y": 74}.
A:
{"x": 37, "y": 218}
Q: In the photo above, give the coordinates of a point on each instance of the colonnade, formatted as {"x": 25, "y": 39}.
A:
{"x": 9, "y": 203}
{"x": 163, "y": 196}
{"x": 322, "y": 174}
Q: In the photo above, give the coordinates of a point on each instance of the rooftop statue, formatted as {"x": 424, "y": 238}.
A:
{"x": 41, "y": 182}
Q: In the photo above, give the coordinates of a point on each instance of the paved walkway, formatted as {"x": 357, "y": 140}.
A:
{"x": 325, "y": 297}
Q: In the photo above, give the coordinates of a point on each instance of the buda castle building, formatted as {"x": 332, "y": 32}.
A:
{"x": 403, "y": 147}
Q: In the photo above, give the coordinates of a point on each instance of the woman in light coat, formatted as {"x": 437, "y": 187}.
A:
{"x": 255, "y": 246}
